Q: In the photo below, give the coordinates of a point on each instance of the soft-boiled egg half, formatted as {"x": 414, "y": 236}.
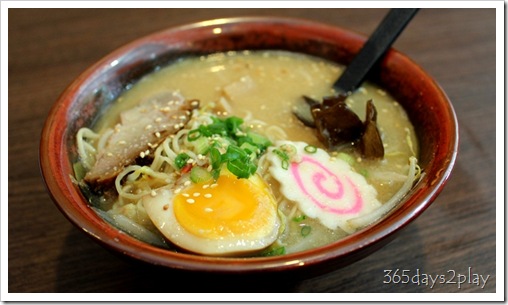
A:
{"x": 223, "y": 217}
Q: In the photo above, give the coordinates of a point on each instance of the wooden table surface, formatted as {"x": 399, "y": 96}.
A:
{"x": 48, "y": 48}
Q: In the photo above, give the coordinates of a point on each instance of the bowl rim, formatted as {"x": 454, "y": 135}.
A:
{"x": 63, "y": 191}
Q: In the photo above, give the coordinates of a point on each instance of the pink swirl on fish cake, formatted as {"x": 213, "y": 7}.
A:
{"x": 320, "y": 175}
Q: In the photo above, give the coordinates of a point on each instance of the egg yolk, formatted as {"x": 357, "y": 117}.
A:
{"x": 225, "y": 208}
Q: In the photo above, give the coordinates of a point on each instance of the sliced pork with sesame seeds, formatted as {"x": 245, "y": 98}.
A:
{"x": 140, "y": 130}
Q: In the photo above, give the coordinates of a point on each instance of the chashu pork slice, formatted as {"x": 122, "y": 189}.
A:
{"x": 140, "y": 130}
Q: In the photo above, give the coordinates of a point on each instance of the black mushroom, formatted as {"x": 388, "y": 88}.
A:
{"x": 338, "y": 125}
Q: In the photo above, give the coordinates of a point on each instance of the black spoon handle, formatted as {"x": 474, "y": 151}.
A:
{"x": 379, "y": 42}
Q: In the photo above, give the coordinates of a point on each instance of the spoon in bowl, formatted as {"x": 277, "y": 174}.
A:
{"x": 336, "y": 123}
{"x": 375, "y": 47}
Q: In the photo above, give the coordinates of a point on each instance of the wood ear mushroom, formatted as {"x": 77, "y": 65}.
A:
{"x": 338, "y": 125}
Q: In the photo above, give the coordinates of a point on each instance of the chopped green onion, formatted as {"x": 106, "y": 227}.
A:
{"x": 193, "y": 135}
{"x": 258, "y": 139}
{"x": 288, "y": 149}
{"x": 346, "y": 157}
{"x": 199, "y": 174}
{"x": 364, "y": 172}
{"x": 233, "y": 124}
{"x": 275, "y": 251}
{"x": 310, "y": 149}
{"x": 238, "y": 162}
{"x": 299, "y": 218}
{"x": 216, "y": 128}
{"x": 238, "y": 168}
{"x": 243, "y": 148}
{"x": 281, "y": 154}
{"x": 285, "y": 164}
{"x": 215, "y": 174}
{"x": 215, "y": 157}
{"x": 249, "y": 148}
{"x": 181, "y": 160}
{"x": 305, "y": 231}
{"x": 201, "y": 145}
{"x": 234, "y": 152}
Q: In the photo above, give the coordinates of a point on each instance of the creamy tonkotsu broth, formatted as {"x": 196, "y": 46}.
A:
{"x": 292, "y": 193}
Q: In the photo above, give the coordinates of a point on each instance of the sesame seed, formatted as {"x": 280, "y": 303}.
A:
{"x": 187, "y": 183}
{"x": 196, "y": 194}
{"x": 190, "y": 200}
{"x": 142, "y": 154}
{"x": 153, "y": 193}
{"x": 158, "y": 120}
{"x": 214, "y": 185}
{"x": 208, "y": 210}
{"x": 158, "y": 134}
{"x": 148, "y": 127}
{"x": 178, "y": 190}
{"x": 185, "y": 195}
{"x": 208, "y": 195}
{"x": 206, "y": 186}
{"x": 165, "y": 207}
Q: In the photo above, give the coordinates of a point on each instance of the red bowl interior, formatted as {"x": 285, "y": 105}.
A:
{"x": 80, "y": 104}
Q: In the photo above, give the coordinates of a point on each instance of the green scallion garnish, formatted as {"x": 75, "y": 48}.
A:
{"x": 281, "y": 154}
{"x": 305, "y": 231}
{"x": 199, "y": 174}
{"x": 284, "y": 164}
{"x": 310, "y": 149}
{"x": 299, "y": 218}
{"x": 181, "y": 160}
{"x": 275, "y": 251}
{"x": 243, "y": 147}
{"x": 193, "y": 135}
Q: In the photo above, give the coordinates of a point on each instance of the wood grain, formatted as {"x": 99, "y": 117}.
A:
{"x": 48, "y": 48}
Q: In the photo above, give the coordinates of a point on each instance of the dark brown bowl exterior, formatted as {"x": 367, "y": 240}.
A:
{"x": 82, "y": 102}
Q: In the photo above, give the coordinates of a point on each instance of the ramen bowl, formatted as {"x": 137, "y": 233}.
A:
{"x": 427, "y": 106}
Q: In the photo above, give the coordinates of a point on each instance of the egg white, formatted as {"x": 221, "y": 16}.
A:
{"x": 160, "y": 208}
